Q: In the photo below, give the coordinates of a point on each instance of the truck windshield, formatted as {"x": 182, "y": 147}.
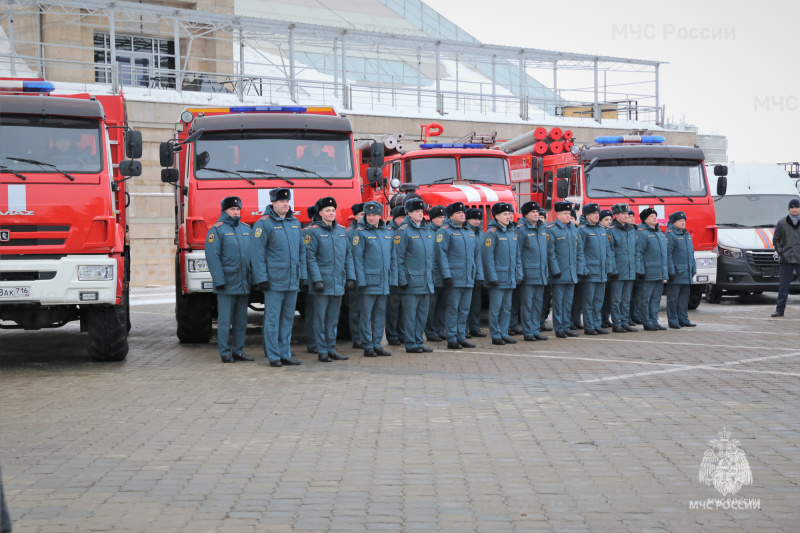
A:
{"x": 751, "y": 210}
{"x": 429, "y": 170}
{"x": 70, "y": 144}
{"x": 491, "y": 170}
{"x": 646, "y": 177}
{"x": 262, "y": 155}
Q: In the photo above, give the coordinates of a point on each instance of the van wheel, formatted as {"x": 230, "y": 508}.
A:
{"x": 695, "y": 296}
{"x": 714, "y": 295}
{"x": 108, "y": 332}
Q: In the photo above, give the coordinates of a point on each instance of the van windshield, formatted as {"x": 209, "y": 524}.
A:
{"x": 751, "y": 210}
{"x": 645, "y": 177}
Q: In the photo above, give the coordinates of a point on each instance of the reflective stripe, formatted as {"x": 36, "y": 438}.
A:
{"x": 470, "y": 192}
{"x": 491, "y": 196}
{"x": 17, "y": 200}
{"x": 263, "y": 199}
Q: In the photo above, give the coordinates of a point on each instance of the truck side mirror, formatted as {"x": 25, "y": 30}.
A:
{"x": 720, "y": 170}
{"x": 561, "y": 174}
{"x": 376, "y": 154}
{"x": 169, "y": 175}
{"x": 374, "y": 175}
{"x": 130, "y": 168}
{"x": 133, "y": 144}
{"x": 201, "y": 160}
{"x": 562, "y": 187}
{"x": 722, "y": 184}
{"x": 166, "y": 154}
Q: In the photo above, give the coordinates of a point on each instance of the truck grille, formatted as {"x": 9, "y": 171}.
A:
{"x": 31, "y": 238}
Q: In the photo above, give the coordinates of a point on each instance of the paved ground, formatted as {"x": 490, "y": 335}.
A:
{"x": 591, "y": 434}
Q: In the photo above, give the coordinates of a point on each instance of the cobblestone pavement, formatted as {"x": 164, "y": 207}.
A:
{"x": 588, "y": 434}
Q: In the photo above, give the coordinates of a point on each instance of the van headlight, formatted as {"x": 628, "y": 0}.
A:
{"x": 706, "y": 262}
{"x": 95, "y": 273}
{"x": 733, "y": 253}
{"x": 198, "y": 265}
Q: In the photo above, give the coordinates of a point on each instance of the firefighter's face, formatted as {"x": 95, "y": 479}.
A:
{"x": 233, "y": 211}
{"x": 459, "y": 217}
{"x": 281, "y": 207}
{"x": 417, "y": 215}
{"x": 373, "y": 220}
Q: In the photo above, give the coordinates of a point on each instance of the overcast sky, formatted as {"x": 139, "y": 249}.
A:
{"x": 744, "y": 84}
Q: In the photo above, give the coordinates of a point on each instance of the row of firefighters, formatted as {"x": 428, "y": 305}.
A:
{"x": 410, "y": 277}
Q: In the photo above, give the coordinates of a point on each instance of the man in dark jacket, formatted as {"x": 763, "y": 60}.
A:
{"x": 651, "y": 268}
{"x": 501, "y": 270}
{"x": 532, "y": 239}
{"x": 786, "y": 241}
{"x": 623, "y": 244}
{"x": 228, "y": 258}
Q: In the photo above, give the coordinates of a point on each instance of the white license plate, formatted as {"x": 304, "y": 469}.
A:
{"x": 702, "y": 278}
{"x": 15, "y": 292}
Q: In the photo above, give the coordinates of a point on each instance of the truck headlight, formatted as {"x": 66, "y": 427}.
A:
{"x": 198, "y": 265}
{"x": 733, "y": 253}
{"x": 706, "y": 262}
{"x": 95, "y": 273}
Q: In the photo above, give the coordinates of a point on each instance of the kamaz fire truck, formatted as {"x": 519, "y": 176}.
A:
{"x": 636, "y": 169}
{"x": 247, "y": 151}
{"x": 64, "y": 247}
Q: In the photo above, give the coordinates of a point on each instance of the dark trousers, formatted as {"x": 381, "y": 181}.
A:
{"x": 436, "y": 304}
{"x": 415, "y": 315}
{"x": 678, "y": 303}
{"x": 634, "y": 305}
{"x": 309, "y": 323}
{"x": 563, "y": 294}
{"x": 649, "y": 295}
{"x": 373, "y": 319}
{"x": 621, "y": 302}
{"x": 394, "y": 328}
{"x": 516, "y": 306}
{"x": 456, "y": 309}
{"x": 231, "y": 323}
{"x": 605, "y": 313}
{"x": 5, "y": 518}
{"x": 530, "y": 311}
{"x": 785, "y": 271}
{"x": 577, "y": 305}
{"x": 326, "y": 321}
{"x": 499, "y": 312}
{"x": 547, "y": 298}
{"x": 474, "y": 316}
{"x": 593, "y": 293}
{"x": 354, "y": 314}
{"x": 278, "y": 321}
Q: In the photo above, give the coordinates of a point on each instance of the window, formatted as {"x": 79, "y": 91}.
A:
{"x": 141, "y": 61}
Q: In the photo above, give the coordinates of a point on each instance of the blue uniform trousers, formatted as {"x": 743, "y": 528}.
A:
{"x": 515, "y": 320}
{"x": 231, "y": 323}
{"x": 278, "y": 320}
{"x": 326, "y": 321}
{"x": 621, "y": 302}
{"x": 499, "y": 312}
{"x": 414, "y": 317}
{"x": 785, "y": 271}
{"x": 531, "y": 298}
{"x": 354, "y": 314}
{"x": 394, "y": 328}
{"x": 678, "y": 303}
{"x": 605, "y": 314}
{"x": 373, "y": 319}
{"x": 474, "y": 315}
{"x": 436, "y": 305}
{"x": 649, "y": 300}
{"x": 547, "y": 298}
{"x": 593, "y": 293}
{"x": 311, "y": 342}
{"x": 456, "y": 308}
{"x": 562, "y": 294}
{"x": 634, "y": 306}
{"x": 577, "y": 305}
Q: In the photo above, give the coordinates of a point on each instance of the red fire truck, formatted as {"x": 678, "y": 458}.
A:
{"x": 247, "y": 151}
{"x": 63, "y": 227}
{"x": 636, "y": 169}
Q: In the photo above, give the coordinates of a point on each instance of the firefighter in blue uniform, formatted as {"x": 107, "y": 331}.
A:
{"x": 594, "y": 264}
{"x": 353, "y": 307}
{"x": 458, "y": 260}
{"x": 308, "y": 320}
{"x": 394, "y": 326}
{"x": 475, "y": 221}
{"x": 605, "y": 314}
{"x": 577, "y": 299}
{"x": 372, "y": 258}
{"x": 623, "y": 243}
{"x": 651, "y": 268}
{"x": 681, "y": 268}
{"x": 434, "y": 327}
{"x": 413, "y": 273}
{"x": 634, "y": 305}
{"x": 548, "y": 297}
{"x": 228, "y": 258}
{"x": 279, "y": 270}
{"x": 532, "y": 239}
{"x": 564, "y": 248}
{"x": 501, "y": 270}
{"x": 330, "y": 273}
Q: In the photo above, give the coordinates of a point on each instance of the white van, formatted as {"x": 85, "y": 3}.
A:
{"x": 757, "y": 197}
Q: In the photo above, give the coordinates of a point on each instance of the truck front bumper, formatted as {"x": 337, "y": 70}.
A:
{"x": 198, "y": 281}
{"x": 706, "y": 262}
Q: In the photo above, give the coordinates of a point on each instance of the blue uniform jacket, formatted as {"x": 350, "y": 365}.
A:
{"x": 413, "y": 265}
{"x": 651, "y": 253}
{"x": 623, "y": 244}
{"x": 564, "y": 248}
{"x": 228, "y": 255}
{"x": 437, "y": 275}
{"x": 372, "y": 257}
{"x": 457, "y": 254}
{"x": 680, "y": 255}
{"x": 532, "y": 241}
{"x": 500, "y": 254}
{"x": 597, "y": 259}
{"x": 329, "y": 256}
{"x": 277, "y": 251}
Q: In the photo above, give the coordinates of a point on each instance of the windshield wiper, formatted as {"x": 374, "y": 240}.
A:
{"x": 484, "y": 182}
{"x": 17, "y": 174}
{"x": 268, "y": 174}
{"x": 644, "y": 191}
{"x": 765, "y": 226}
{"x": 676, "y": 192}
{"x": 440, "y": 180}
{"x": 732, "y": 225}
{"x": 299, "y": 169}
{"x": 229, "y": 172}
{"x": 616, "y": 192}
{"x": 41, "y": 164}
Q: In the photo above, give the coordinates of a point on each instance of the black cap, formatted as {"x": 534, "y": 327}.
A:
{"x": 794, "y": 202}
{"x": 562, "y": 206}
{"x": 372, "y": 208}
{"x": 322, "y": 203}
{"x": 398, "y": 211}
{"x": 357, "y": 208}
{"x": 573, "y": 214}
{"x": 588, "y": 209}
{"x": 454, "y": 208}
{"x": 231, "y": 201}
{"x": 501, "y": 207}
{"x": 436, "y": 212}
{"x": 279, "y": 194}
{"x": 676, "y": 216}
{"x": 413, "y": 204}
{"x": 311, "y": 211}
{"x": 527, "y": 207}
{"x": 473, "y": 214}
{"x": 646, "y": 213}
{"x": 616, "y": 209}
{"x": 605, "y": 213}
{"x": 543, "y": 213}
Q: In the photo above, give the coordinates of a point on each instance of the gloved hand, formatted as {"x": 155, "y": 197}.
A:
{"x": 519, "y": 281}
{"x": 220, "y": 287}
{"x": 302, "y": 283}
{"x": 448, "y": 282}
{"x": 349, "y": 285}
{"x": 555, "y": 276}
{"x": 404, "y": 287}
{"x": 478, "y": 283}
{"x": 671, "y": 277}
{"x": 583, "y": 276}
{"x": 263, "y": 286}
{"x": 319, "y": 286}
{"x": 494, "y": 283}
{"x": 613, "y": 276}
{"x": 640, "y": 277}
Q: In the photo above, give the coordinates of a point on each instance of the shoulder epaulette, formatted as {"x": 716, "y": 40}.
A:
{"x": 218, "y": 224}
{"x": 491, "y": 230}
{"x": 361, "y": 228}
{"x": 582, "y": 226}
{"x": 314, "y": 226}
{"x": 265, "y": 217}
{"x": 245, "y": 224}
{"x": 552, "y": 224}
{"x": 404, "y": 226}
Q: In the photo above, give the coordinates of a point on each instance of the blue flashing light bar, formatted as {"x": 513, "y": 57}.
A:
{"x": 431, "y": 146}
{"x": 630, "y": 139}
{"x": 26, "y": 86}
{"x": 268, "y": 109}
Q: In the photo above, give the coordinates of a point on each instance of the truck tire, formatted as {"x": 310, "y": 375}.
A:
{"x": 194, "y": 313}
{"x": 714, "y": 295}
{"x": 695, "y": 296}
{"x": 108, "y": 334}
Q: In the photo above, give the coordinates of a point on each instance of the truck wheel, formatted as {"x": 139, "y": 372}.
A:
{"x": 108, "y": 335}
{"x": 714, "y": 295}
{"x": 695, "y": 296}
{"x": 194, "y": 313}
